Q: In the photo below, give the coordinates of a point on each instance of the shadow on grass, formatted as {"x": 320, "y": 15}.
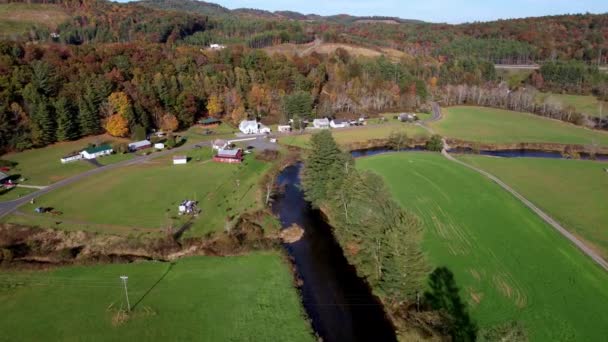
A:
{"x": 153, "y": 286}
{"x": 444, "y": 296}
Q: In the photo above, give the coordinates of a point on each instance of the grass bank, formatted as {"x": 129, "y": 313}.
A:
{"x": 508, "y": 263}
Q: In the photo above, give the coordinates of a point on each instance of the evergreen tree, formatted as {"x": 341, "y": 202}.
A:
{"x": 67, "y": 127}
{"x": 88, "y": 116}
{"x": 43, "y": 125}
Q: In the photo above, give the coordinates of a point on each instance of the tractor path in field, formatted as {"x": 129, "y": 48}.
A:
{"x": 544, "y": 216}
{"x": 10, "y": 206}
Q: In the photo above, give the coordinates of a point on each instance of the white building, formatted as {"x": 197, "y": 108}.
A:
{"x": 335, "y": 123}
{"x": 320, "y": 123}
{"x": 180, "y": 160}
{"x": 71, "y": 157}
{"x": 284, "y": 128}
{"x": 220, "y": 144}
{"x": 94, "y": 152}
{"x": 139, "y": 145}
{"x": 159, "y": 146}
{"x": 217, "y": 47}
{"x": 253, "y": 127}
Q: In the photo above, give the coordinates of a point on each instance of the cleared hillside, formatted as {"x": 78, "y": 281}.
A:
{"x": 17, "y": 18}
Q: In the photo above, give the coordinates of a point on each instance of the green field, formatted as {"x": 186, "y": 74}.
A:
{"x": 14, "y": 193}
{"x": 490, "y": 125}
{"x": 17, "y": 18}
{"x": 360, "y": 134}
{"x": 42, "y": 166}
{"x": 586, "y": 104}
{"x": 508, "y": 263}
{"x": 572, "y": 191}
{"x": 244, "y": 298}
{"x": 145, "y": 197}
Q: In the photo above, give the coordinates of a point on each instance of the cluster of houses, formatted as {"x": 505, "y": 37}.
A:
{"x": 255, "y": 127}
{"x": 105, "y": 149}
{"x": 326, "y": 123}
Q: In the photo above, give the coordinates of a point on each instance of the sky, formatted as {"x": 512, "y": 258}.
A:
{"x": 450, "y": 11}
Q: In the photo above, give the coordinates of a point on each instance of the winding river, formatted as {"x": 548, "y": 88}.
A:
{"x": 338, "y": 302}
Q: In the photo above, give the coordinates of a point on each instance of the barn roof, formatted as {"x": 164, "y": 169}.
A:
{"x": 228, "y": 153}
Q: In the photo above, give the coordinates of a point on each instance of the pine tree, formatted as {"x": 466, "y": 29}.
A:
{"x": 88, "y": 116}
{"x": 43, "y": 125}
{"x": 67, "y": 127}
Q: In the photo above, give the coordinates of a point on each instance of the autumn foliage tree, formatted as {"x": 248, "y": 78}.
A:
{"x": 117, "y": 126}
{"x": 214, "y": 105}
{"x": 169, "y": 123}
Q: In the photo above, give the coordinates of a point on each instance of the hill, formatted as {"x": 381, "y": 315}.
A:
{"x": 16, "y": 18}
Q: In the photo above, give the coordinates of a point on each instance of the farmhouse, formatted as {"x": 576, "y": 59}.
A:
{"x": 71, "y": 157}
{"x": 229, "y": 156}
{"x": 219, "y": 144}
{"x": 253, "y": 127}
{"x": 336, "y": 123}
{"x": 284, "y": 128}
{"x": 139, "y": 145}
{"x": 209, "y": 122}
{"x": 180, "y": 160}
{"x": 94, "y": 152}
{"x": 320, "y": 123}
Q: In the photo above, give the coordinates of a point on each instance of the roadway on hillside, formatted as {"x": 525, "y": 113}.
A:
{"x": 528, "y": 67}
{"x": 10, "y": 206}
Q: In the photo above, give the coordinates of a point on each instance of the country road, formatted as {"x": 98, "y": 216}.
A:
{"x": 10, "y": 206}
{"x": 529, "y": 67}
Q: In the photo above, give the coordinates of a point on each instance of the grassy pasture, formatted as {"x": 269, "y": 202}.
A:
{"x": 14, "y": 193}
{"x": 243, "y": 298}
{"x": 502, "y": 126}
{"x": 17, "y": 18}
{"x": 42, "y": 166}
{"x": 586, "y": 104}
{"x": 509, "y": 264}
{"x": 144, "y": 197}
{"x": 359, "y": 134}
{"x": 572, "y": 191}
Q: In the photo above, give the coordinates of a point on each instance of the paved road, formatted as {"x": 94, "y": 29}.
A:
{"x": 552, "y": 222}
{"x": 10, "y": 206}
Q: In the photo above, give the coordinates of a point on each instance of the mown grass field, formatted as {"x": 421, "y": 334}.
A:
{"x": 575, "y": 192}
{"x": 359, "y": 134}
{"x": 508, "y": 263}
{"x": 14, "y": 193}
{"x": 243, "y": 298}
{"x": 42, "y": 166}
{"x": 586, "y": 104}
{"x": 502, "y": 126}
{"x": 17, "y": 18}
{"x": 145, "y": 197}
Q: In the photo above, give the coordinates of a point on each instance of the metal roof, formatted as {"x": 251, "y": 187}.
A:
{"x": 100, "y": 148}
{"x": 228, "y": 153}
{"x": 139, "y": 144}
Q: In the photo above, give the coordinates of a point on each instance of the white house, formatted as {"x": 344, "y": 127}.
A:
{"x": 94, "y": 152}
{"x": 219, "y": 144}
{"x": 139, "y": 145}
{"x": 217, "y": 47}
{"x": 335, "y": 123}
{"x": 180, "y": 160}
{"x": 320, "y": 123}
{"x": 284, "y": 128}
{"x": 159, "y": 146}
{"x": 71, "y": 157}
{"x": 253, "y": 127}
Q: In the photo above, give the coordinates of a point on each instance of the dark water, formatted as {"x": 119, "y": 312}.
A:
{"x": 338, "y": 302}
{"x": 498, "y": 153}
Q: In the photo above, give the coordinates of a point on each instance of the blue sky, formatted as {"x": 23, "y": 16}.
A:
{"x": 451, "y": 11}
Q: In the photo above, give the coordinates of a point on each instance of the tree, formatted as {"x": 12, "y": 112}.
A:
{"x": 169, "y": 123}
{"x": 119, "y": 103}
{"x": 214, "y": 105}
{"x": 238, "y": 114}
{"x": 139, "y": 133}
{"x": 117, "y": 126}
{"x": 435, "y": 143}
{"x": 67, "y": 127}
{"x": 298, "y": 104}
{"x": 398, "y": 140}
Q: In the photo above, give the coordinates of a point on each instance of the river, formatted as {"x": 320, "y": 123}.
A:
{"x": 338, "y": 302}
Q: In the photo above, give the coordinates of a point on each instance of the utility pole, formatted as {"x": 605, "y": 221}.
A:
{"x": 124, "y": 281}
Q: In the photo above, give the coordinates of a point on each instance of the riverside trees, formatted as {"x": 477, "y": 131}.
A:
{"x": 379, "y": 237}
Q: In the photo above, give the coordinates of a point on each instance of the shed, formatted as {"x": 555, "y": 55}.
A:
{"x": 159, "y": 146}
{"x": 98, "y": 151}
{"x": 284, "y": 128}
{"x": 209, "y": 122}
{"x": 180, "y": 160}
{"x": 320, "y": 123}
{"x": 71, "y": 157}
{"x": 139, "y": 145}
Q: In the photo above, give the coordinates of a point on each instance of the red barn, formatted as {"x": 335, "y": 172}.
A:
{"x": 229, "y": 156}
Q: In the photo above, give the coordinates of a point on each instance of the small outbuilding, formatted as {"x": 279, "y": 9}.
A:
{"x": 98, "y": 151}
{"x": 229, "y": 156}
{"x": 219, "y": 144}
{"x": 320, "y": 123}
{"x": 139, "y": 145}
{"x": 180, "y": 160}
{"x": 159, "y": 146}
{"x": 336, "y": 123}
{"x": 71, "y": 157}
{"x": 407, "y": 117}
{"x": 209, "y": 122}
{"x": 284, "y": 128}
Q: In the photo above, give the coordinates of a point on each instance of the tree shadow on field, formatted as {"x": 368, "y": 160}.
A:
{"x": 153, "y": 286}
{"x": 444, "y": 296}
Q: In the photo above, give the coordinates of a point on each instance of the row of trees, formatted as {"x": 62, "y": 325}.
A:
{"x": 381, "y": 239}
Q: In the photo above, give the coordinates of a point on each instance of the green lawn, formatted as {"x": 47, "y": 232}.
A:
{"x": 17, "y": 18}
{"x": 586, "y": 104}
{"x": 42, "y": 166}
{"x": 145, "y": 197}
{"x": 243, "y": 298}
{"x": 360, "y": 134}
{"x": 508, "y": 263}
{"x": 572, "y": 191}
{"x": 502, "y": 126}
{"x": 14, "y": 193}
